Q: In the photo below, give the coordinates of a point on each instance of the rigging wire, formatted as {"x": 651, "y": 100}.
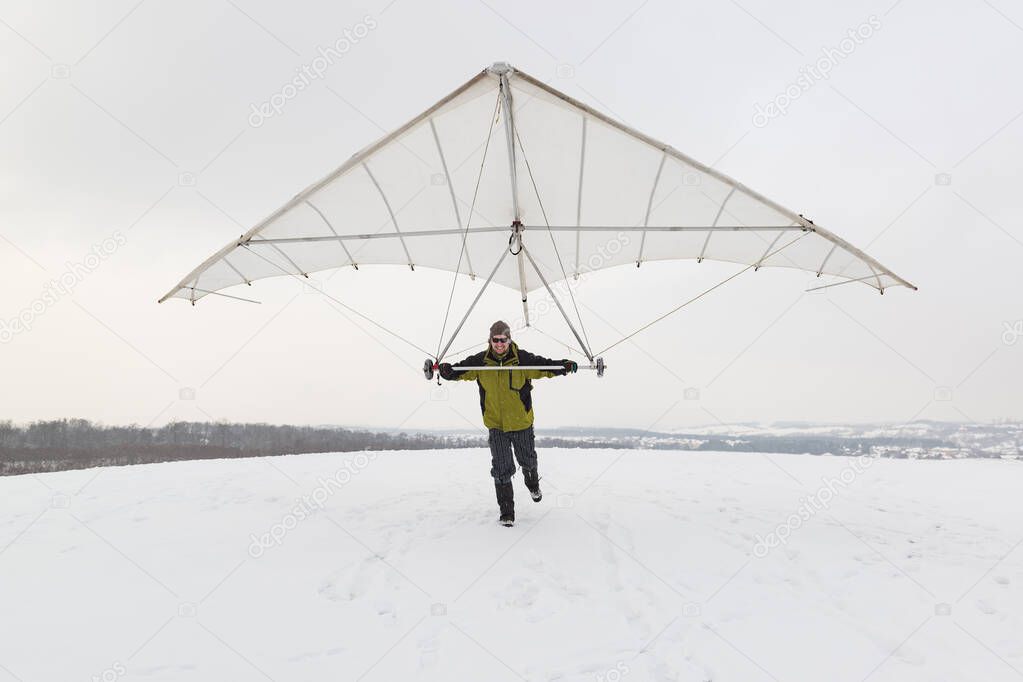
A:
{"x": 461, "y": 254}
{"x": 556, "y": 340}
{"x": 701, "y": 294}
{"x": 534, "y": 328}
{"x": 339, "y": 302}
{"x": 557, "y": 253}
{"x": 468, "y": 220}
{"x": 474, "y": 346}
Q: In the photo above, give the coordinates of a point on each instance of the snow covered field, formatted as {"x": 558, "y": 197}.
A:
{"x": 665, "y": 566}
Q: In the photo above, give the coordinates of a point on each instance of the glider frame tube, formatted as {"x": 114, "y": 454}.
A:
{"x": 555, "y": 228}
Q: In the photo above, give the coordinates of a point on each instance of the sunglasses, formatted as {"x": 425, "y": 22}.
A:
{"x": 499, "y": 339}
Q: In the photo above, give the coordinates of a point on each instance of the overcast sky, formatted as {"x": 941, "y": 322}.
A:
{"x": 129, "y": 153}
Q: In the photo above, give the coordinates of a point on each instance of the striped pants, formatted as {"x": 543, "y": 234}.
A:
{"x": 502, "y": 466}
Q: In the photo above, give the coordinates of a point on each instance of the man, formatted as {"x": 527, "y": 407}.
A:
{"x": 507, "y": 410}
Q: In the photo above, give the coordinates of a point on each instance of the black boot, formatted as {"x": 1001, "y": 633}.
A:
{"x": 506, "y": 500}
{"x": 532, "y": 478}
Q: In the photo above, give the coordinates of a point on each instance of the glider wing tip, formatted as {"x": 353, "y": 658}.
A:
{"x": 169, "y": 294}
{"x": 908, "y": 284}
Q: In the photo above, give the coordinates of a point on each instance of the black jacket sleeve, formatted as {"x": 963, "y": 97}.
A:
{"x": 527, "y": 358}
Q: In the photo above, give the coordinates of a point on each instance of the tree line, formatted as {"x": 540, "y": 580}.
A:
{"x": 61, "y": 444}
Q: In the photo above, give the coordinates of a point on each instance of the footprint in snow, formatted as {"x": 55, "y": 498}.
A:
{"x": 911, "y": 656}
{"x": 348, "y": 583}
{"x": 986, "y": 608}
{"x": 386, "y": 609}
{"x": 429, "y": 646}
{"x": 524, "y": 594}
{"x": 163, "y": 668}
{"x": 311, "y": 655}
{"x": 521, "y": 593}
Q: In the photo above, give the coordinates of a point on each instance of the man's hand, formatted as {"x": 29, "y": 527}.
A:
{"x": 445, "y": 371}
{"x": 571, "y": 366}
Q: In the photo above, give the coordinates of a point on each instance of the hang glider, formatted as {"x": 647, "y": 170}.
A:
{"x": 510, "y": 180}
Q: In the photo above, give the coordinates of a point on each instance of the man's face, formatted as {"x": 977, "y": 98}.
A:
{"x": 500, "y": 342}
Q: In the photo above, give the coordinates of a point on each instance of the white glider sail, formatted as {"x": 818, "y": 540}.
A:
{"x": 610, "y": 196}
{"x": 509, "y": 180}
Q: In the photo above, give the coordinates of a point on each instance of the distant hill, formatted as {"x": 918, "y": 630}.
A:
{"x": 77, "y": 443}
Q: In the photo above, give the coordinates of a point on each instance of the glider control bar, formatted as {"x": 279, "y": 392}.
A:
{"x": 430, "y": 367}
